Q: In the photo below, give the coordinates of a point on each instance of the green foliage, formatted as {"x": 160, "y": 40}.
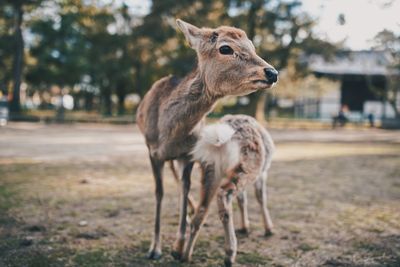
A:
{"x": 75, "y": 47}
{"x": 6, "y": 46}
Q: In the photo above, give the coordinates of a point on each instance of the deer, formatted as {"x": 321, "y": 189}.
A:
{"x": 172, "y": 112}
{"x": 233, "y": 153}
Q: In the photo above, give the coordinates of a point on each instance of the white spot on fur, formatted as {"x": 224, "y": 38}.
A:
{"x": 216, "y": 146}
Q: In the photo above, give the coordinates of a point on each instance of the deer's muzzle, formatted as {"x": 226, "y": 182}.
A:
{"x": 271, "y": 75}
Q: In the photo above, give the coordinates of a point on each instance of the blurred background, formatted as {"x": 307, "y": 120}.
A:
{"x": 76, "y": 187}
{"x": 88, "y": 60}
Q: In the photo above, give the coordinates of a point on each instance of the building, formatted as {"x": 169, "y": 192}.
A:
{"x": 363, "y": 76}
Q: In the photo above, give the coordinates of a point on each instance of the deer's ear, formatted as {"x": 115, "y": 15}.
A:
{"x": 192, "y": 34}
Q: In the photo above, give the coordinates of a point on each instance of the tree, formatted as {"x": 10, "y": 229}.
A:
{"x": 58, "y": 48}
{"x": 388, "y": 41}
{"x": 6, "y": 47}
{"x": 282, "y": 33}
{"x": 101, "y": 49}
{"x": 19, "y": 7}
{"x": 161, "y": 52}
{"x": 74, "y": 48}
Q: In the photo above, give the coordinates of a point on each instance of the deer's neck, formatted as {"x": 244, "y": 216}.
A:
{"x": 198, "y": 95}
{"x": 188, "y": 105}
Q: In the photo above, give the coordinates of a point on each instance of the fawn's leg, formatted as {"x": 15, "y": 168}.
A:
{"x": 155, "y": 248}
{"x": 244, "y": 215}
{"x": 226, "y": 216}
{"x": 261, "y": 194}
{"x": 177, "y": 173}
{"x": 178, "y": 246}
{"x": 209, "y": 186}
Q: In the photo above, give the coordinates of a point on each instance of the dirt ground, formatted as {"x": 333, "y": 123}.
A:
{"x": 82, "y": 195}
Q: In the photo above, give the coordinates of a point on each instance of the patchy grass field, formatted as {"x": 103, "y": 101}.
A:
{"x": 82, "y": 195}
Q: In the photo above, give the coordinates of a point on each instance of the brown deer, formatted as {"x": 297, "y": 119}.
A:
{"x": 171, "y": 113}
{"x": 233, "y": 153}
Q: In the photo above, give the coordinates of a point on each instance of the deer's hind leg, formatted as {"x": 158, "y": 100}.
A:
{"x": 155, "y": 248}
{"x": 226, "y": 216}
{"x": 209, "y": 186}
{"x": 244, "y": 215}
{"x": 261, "y": 195}
{"x": 177, "y": 173}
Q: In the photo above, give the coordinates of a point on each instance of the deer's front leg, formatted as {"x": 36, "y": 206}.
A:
{"x": 244, "y": 215}
{"x": 261, "y": 195}
{"x": 155, "y": 248}
{"x": 209, "y": 186}
{"x": 226, "y": 217}
{"x": 177, "y": 249}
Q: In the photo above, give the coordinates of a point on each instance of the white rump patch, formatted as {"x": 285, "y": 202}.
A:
{"x": 215, "y": 146}
{"x": 217, "y": 134}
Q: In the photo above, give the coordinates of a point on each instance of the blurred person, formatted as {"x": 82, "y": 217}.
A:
{"x": 371, "y": 119}
{"x": 341, "y": 118}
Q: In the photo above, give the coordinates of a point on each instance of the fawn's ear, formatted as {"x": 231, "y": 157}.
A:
{"x": 192, "y": 34}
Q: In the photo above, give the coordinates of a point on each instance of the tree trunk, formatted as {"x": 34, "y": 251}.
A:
{"x": 15, "y": 106}
{"x": 77, "y": 102}
{"x": 251, "y": 108}
{"x": 392, "y": 86}
{"x": 121, "y": 93}
{"x": 396, "y": 110}
{"x": 121, "y": 102}
{"x": 107, "y": 102}
{"x": 251, "y": 19}
{"x": 60, "y": 113}
{"x": 138, "y": 77}
{"x": 88, "y": 101}
{"x": 256, "y": 106}
{"x": 261, "y": 106}
{"x": 107, "y": 105}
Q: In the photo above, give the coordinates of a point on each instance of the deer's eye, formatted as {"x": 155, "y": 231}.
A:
{"x": 226, "y": 50}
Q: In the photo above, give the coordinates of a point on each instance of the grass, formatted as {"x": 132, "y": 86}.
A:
{"x": 252, "y": 259}
{"x": 5, "y": 198}
{"x": 338, "y": 206}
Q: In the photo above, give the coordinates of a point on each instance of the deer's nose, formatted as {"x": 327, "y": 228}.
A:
{"x": 271, "y": 75}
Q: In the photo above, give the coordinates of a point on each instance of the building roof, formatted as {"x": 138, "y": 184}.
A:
{"x": 367, "y": 62}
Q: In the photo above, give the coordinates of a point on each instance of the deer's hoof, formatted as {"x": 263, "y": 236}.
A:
{"x": 186, "y": 258}
{"x": 228, "y": 263}
{"x": 154, "y": 255}
{"x": 176, "y": 255}
{"x": 268, "y": 233}
{"x": 242, "y": 232}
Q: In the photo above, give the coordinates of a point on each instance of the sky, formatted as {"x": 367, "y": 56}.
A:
{"x": 364, "y": 19}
